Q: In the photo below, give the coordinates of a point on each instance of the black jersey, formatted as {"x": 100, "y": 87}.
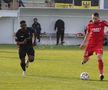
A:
{"x": 59, "y": 24}
{"x": 36, "y": 27}
{"x": 22, "y": 35}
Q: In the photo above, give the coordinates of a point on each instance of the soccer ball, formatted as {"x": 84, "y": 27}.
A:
{"x": 84, "y": 76}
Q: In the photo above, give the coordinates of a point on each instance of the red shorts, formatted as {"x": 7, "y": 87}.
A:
{"x": 90, "y": 50}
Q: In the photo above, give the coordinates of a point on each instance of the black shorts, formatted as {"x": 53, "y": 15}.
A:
{"x": 29, "y": 50}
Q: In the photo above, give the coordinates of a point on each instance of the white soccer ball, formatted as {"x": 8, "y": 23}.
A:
{"x": 84, "y": 76}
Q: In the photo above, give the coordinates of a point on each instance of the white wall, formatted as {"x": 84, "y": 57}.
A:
{"x": 7, "y": 26}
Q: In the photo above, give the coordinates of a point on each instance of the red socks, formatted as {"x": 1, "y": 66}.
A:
{"x": 100, "y": 66}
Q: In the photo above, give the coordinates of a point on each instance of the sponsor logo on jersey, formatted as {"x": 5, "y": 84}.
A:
{"x": 96, "y": 29}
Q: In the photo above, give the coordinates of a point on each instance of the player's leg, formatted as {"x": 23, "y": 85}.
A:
{"x": 85, "y": 59}
{"x": 30, "y": 59}
{"x": 100, "y": 65}
{"x": 22, "y": 63}
{"x": 31, "y": 54}
{"x": 62, "y": 37}
{"x": 87, "y": 54}
{"x": 22, "y": 55}
{"x": 57, "y": 37}
{"x": 38, "y": 36}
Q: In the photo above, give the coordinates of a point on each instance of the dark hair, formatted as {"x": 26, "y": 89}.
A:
{"x": 96, "y": 14}
{"x": 35, "y": 19}
{"x": 23, "y": 21}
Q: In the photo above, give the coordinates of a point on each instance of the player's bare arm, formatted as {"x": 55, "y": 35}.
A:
{"x": 85, "y": 40}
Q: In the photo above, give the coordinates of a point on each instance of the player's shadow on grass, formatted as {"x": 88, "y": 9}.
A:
{"x": 55, "y": 77}
{"x": 98, "y": 80}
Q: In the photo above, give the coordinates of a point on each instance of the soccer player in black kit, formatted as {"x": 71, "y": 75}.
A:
{"x": 24, "y": 37}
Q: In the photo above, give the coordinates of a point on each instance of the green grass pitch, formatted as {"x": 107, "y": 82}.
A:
{"x": 55, "y": 68}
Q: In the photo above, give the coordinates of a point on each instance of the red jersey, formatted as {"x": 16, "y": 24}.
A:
{"x": 96, "y": 32}
{"x": 96, "y": 37}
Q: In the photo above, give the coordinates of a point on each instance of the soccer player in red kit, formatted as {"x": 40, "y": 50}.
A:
{"x": 94, "y": 40}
